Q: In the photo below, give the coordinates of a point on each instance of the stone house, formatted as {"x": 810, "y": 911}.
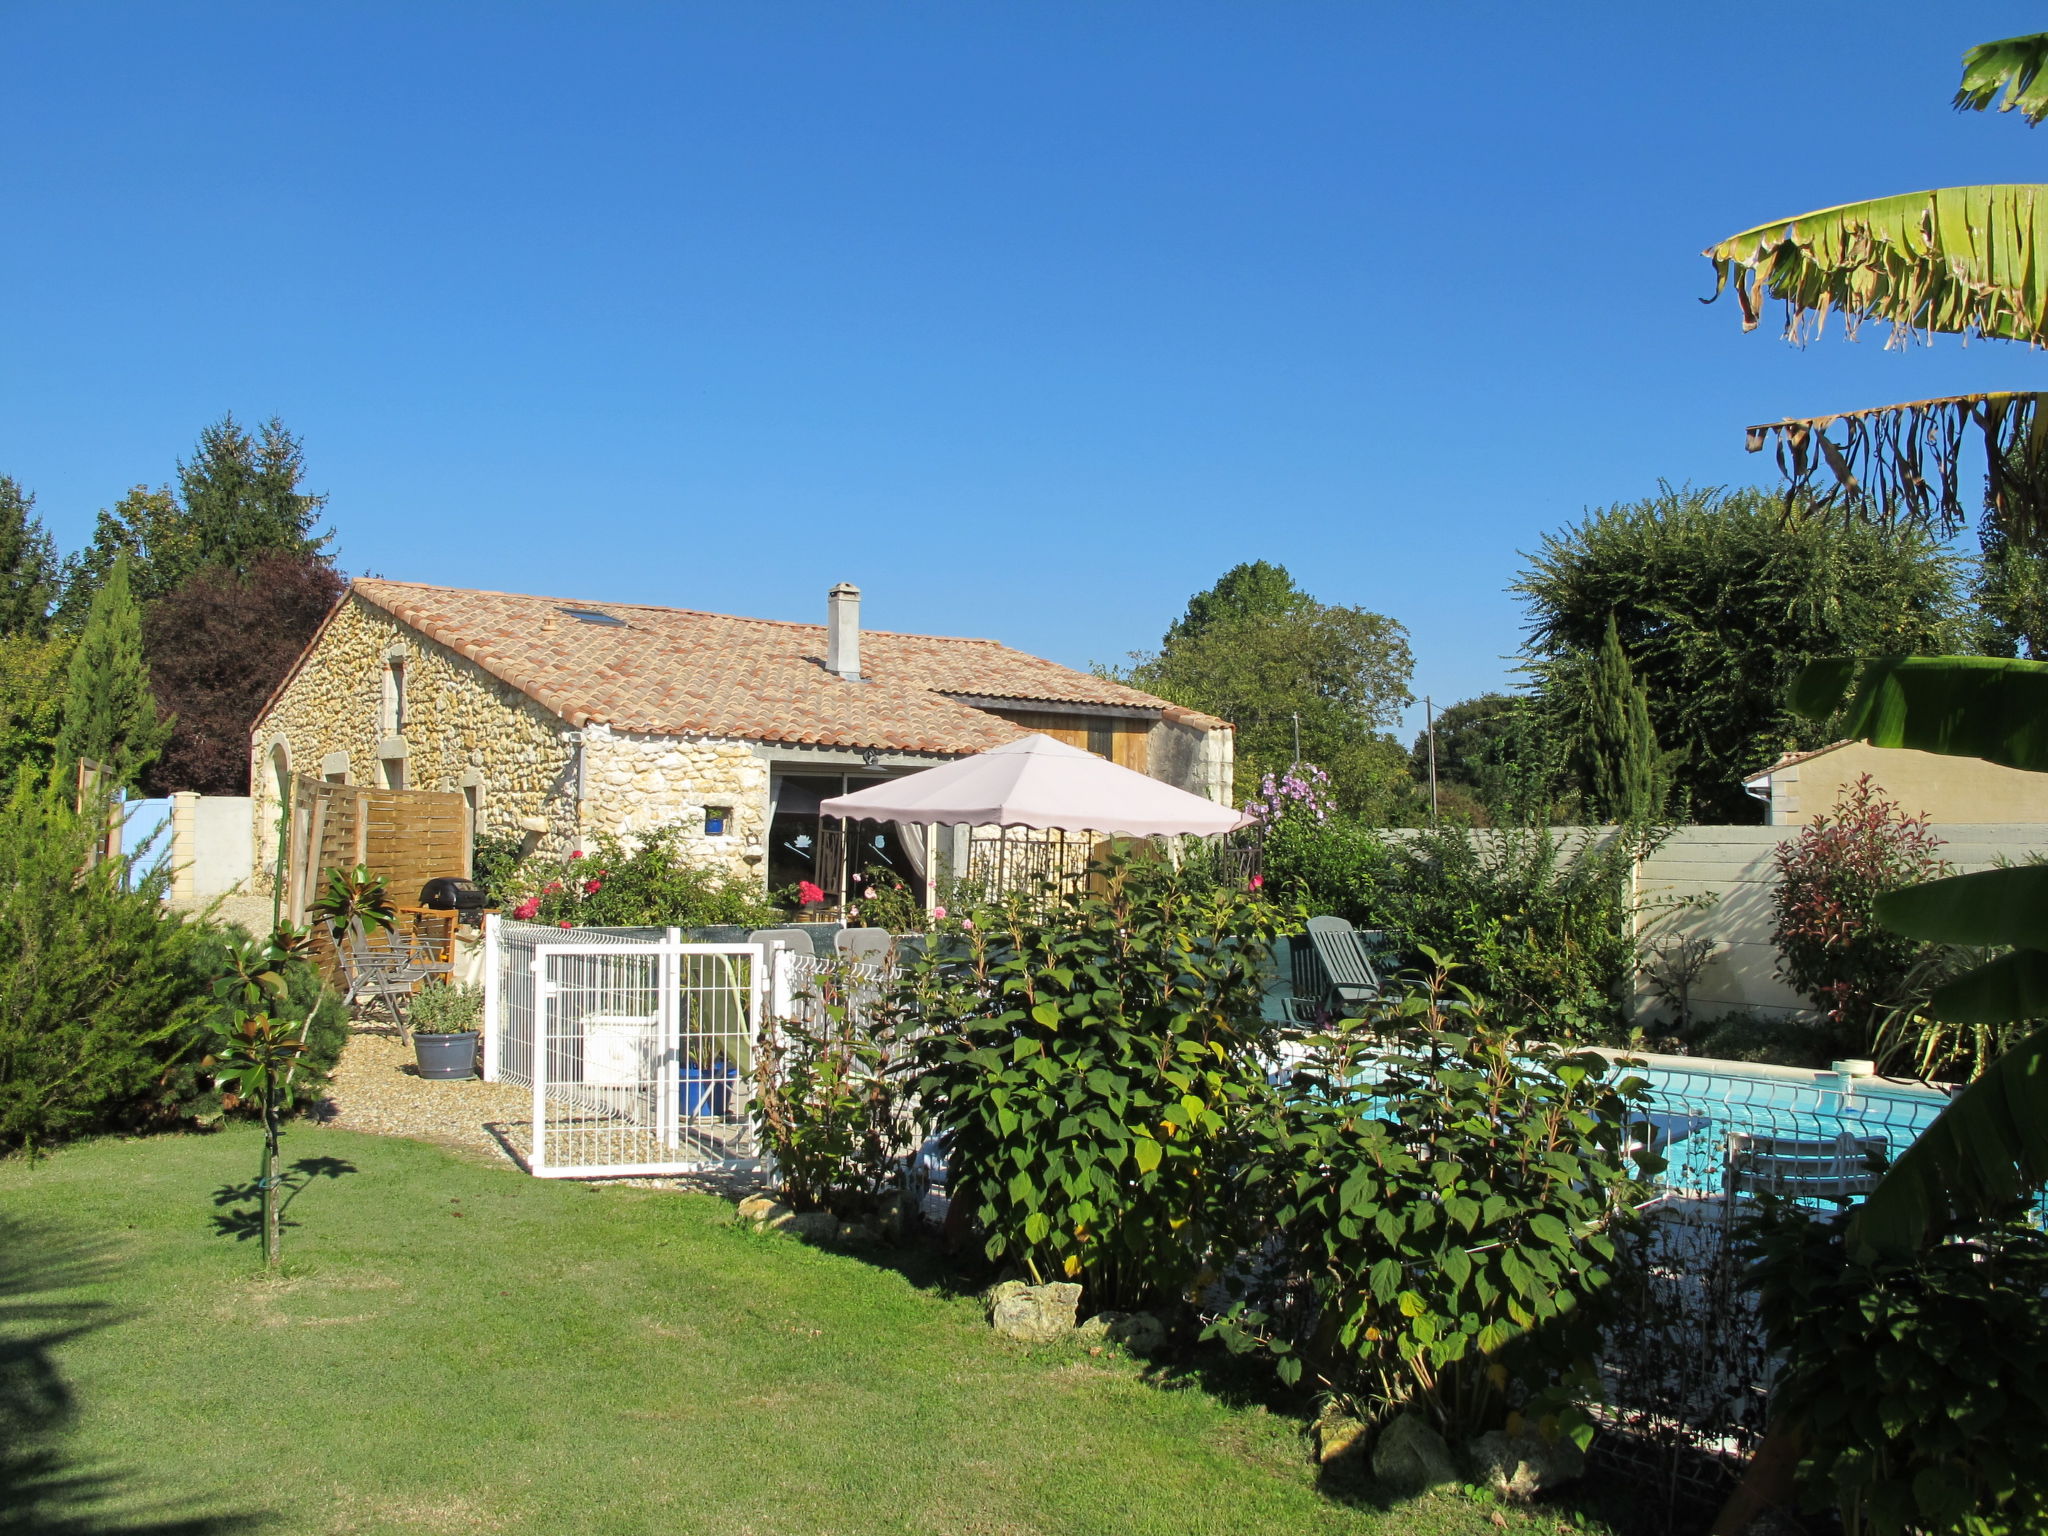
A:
{"x": 557, "y": 720}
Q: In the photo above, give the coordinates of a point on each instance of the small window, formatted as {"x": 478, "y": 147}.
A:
{"x": 591, "y": 616}
{"x": 393, "y": 723}
{"x": 1102, "y": 741}
{"x": 717, "y": 819}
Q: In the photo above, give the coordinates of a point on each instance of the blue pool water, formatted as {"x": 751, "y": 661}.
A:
{"x": 1694, "y": 1111}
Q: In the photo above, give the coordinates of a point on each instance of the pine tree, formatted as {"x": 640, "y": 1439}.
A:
{"x": 110, "y": 715}
{"x": 242, "y": 498}
{"x": 1623, "y": 769}
{"x": 28, "y": 564}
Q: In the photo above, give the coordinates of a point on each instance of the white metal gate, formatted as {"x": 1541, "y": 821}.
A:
{"x": 642, "y": 1057}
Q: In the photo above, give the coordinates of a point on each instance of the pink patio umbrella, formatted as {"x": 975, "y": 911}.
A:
{"x": 1042, "y": 783}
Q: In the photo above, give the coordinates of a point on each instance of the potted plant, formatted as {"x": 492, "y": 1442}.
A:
{"x": 447, "y": 1022}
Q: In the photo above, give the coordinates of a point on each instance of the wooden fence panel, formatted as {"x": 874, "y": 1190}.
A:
{"x": 409, "y": 836}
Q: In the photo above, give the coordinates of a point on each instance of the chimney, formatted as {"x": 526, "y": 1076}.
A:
{"x": 842, "y": 632}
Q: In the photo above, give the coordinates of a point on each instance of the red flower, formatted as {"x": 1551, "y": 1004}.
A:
{"x": 592, "y": 887}
{"x": 553, "y": 886}
{"x": 1258, "y": 881}
{"x": 808, "y": 893}
{"x": 563, "y": 925}
{"x": 526, "y": 909}
{"x": 576, "y": 853}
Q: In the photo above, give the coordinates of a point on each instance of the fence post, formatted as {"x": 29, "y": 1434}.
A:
{"x": 494, "y": 998}
{"x": 541, "y": 991}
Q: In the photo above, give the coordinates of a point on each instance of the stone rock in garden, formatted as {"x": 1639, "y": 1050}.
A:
{"x": 1139, "y": 1332}
{"x": 1337, "y": 1433}
{"x": 1096, "y": 1329}
{"x": 813, "y": 1226}
{"x": 1411, "y": 1457}
{"x": 865, "y": 1231}
{"x": 897, "y": 1217}
{"x": 762, "y": 1208}
{"x": 1035, "y": 1314}
{"x": 1522, "y": 1466}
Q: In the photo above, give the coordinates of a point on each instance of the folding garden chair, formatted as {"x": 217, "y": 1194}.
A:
{"x": 1838, "y": 1168}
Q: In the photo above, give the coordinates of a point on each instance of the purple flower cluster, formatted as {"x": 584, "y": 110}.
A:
{"x": 1302, "y": 790}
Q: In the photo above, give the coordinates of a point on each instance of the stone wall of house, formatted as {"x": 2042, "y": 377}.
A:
{"x": 634, "y": 784}
{"x": 1197, "y": 758}
{"x": 464, "y": 729}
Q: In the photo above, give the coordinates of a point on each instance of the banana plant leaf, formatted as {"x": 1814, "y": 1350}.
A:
{"x": 2013, "y": 65}
{"x": 1963, "y": 706}
{"x": 1906, "y": 463}
{"x": 1991, "y": 908}
{"x": 1981, "y": 1156}
{"x": 1966, "y": 261}
{"x": 2001, "y": 991}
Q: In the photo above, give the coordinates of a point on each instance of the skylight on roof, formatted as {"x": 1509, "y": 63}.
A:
{"x": 591, "y": 616}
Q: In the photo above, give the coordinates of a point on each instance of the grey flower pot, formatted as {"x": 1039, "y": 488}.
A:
{"x": 446, "y": 1057}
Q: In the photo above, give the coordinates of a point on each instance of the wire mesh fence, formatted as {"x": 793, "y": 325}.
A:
{"x": 1688, "y": 1372}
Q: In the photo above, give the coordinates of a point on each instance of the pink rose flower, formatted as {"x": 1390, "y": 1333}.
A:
{"x": 966, "y": 922}
{"x": 853, "y": 911}
{"x": 868, "y": 894}
{"x": 939, "y": 912}
{"x": 1258, "y": 882}
{"x": 526, "y": 909}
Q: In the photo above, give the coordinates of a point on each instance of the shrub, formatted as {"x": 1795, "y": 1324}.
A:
{"x": 101, "y": 988}
{"x": 1829, "y": 878}
{"x": 226, "y": 964}
{"x": 1920, "y": 1385}
{"x": 453, "y": 1009}
{"x": 829, "y": 1094}
{"x": 1445, "y": 1202}
{"x": 651, "y": 885}
{"x": 1094, "y": 1065}
{"x": 1543, "y": 919}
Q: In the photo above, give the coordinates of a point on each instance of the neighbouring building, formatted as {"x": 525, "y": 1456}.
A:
{"x": 558, "y": 719}
{"x": 1952, "y": 790}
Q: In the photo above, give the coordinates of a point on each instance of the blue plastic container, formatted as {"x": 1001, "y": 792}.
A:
{"x": 707, "y": 1091}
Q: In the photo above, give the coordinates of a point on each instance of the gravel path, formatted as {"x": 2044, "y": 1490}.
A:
{"x": 376, "y": 1088}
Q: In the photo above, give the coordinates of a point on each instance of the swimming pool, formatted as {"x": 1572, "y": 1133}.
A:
{"x": 1696, "y": 1107}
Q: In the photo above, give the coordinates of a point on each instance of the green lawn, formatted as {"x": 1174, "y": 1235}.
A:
{"x": 457, "y": 1347}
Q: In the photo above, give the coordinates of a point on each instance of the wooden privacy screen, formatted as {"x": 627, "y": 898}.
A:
{"x": 409, "y": 836}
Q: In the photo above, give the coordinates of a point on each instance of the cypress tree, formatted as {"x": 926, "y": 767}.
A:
{"x": 1623, "y": 769}
{"x": 28, "y": 564}
{"x": 110, "y": 715}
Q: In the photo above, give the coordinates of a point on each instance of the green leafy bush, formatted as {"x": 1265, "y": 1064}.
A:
{"x": 453, "y": 1009}
{"x": 651, "y": 885}
{"x": 1542, "y": 919}
{"x": 243, "y": 974}
{"x": 1094, "y": 1064}
{"x": 101, "y": 988}
{"x": 830, "y": 1093}
{"x": 1830, "y": 944}
{"x": 1447, "y": 1206}
{"x": 1919, "y": 1385}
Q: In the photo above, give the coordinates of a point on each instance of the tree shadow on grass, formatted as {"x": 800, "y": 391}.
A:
{"x": 42, "y": 1491}
{"x": 245, "y": 1222}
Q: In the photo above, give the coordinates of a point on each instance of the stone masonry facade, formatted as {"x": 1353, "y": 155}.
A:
{"x": 462, "y": 729}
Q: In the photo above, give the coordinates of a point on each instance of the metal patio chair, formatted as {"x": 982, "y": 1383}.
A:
{"x": 1350, "y": 984}
{"x": 387, "y": 968}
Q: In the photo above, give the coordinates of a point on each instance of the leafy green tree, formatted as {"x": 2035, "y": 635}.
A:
{"x": 32, "y": 680}
{"x": 110, "y": 715}
{"x": 1260, "y": 652}
{"x": 1504, "y": 750}
{"x": 1622, "y": 768}
{"x": 28, "y": 564}
{"x": 1718, "y": 600}
{"x": 238, "y": 500}
{"x": 145, "y": 526}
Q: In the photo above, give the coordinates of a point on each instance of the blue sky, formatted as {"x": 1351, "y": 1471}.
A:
{"x": 1029, "y": 317}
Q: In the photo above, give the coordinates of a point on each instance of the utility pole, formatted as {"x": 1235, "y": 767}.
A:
{"x": 1429, "y": 729}
{"x": 1297, "y": 743}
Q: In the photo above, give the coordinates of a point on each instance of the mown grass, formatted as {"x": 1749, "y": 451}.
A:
{"x": 457, "y": 1347}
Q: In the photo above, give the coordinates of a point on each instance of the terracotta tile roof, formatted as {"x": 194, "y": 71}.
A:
{"x": 670, "y": 671}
